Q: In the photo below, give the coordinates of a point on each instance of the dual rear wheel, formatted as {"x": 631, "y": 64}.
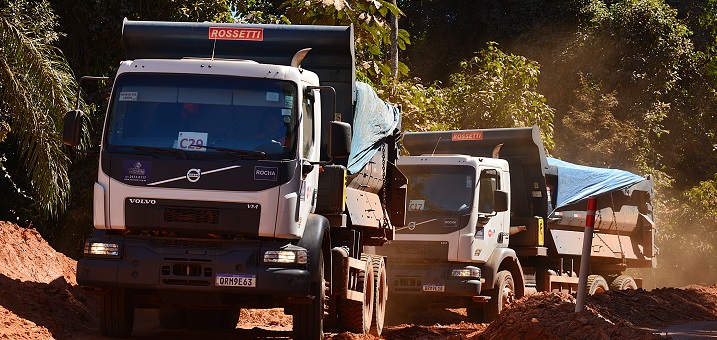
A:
{"x": 367, "y": 316}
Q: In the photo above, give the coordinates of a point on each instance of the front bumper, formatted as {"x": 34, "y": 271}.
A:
{"x": 164, "y": 265}
{"x": 430, "y": 281}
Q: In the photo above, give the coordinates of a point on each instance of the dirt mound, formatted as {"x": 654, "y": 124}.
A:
{"x": 39, "y": 297}
{"x": 552, "y": 316}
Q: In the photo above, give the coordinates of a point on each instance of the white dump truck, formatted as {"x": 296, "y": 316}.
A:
{"x": 242, "y": 166}
{"x": 490, "y": 218}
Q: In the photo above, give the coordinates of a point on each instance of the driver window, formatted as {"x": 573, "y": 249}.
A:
{"x": 487, "y": 185}
{"x": 307, "y": 135}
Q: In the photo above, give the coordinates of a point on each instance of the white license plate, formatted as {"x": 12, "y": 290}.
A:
{"x": 235, "y": 280}
{"x": 434, "y": 288}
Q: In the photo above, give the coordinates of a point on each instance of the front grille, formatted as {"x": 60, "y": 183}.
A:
{"x": 192, "y": 244}
{"x": 407, "y": 284}
{"x": 190, "y": 215}
{"x": 225, "y": 218}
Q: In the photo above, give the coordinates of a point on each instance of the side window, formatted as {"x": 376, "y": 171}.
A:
{"x": 307, "y": 134}
{"x": 489, "y": 183}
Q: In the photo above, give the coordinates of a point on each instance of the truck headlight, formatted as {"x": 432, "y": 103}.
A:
{"x": 469, "y": 271}
{"x": 101, "y": 249}
{"x": 285, "y": 256}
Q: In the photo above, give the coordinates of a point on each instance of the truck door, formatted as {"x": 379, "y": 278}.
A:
{"x": 491, "y": 226}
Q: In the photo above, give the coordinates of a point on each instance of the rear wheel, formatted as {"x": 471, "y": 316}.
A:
{"x": 623, "y": 282}
{"x": 116, "y": 314}
{"x": 355, "y": 316}
{"x": 308, "y": 318}
{"x": 502, "y": 295}
{"x": 380, "y": 295}
{"x": 596, "y": 284}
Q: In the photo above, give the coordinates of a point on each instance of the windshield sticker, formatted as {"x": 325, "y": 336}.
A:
{"x": 128, "y": 96}
{"x": 192, "y": 141}
{"x": 416, "y": 205}
{"x": 263, "y": 173}
{"x": 272, "y": 96}
{"x": 450, "y": 222}
{"x": 136, "y": 171}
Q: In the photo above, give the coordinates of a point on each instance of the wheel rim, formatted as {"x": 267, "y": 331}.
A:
{"x": 508, "y": 295}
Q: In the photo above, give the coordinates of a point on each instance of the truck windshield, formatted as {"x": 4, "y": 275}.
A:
{"x": 203, "y": 115}
{"x": 442, "y": 189}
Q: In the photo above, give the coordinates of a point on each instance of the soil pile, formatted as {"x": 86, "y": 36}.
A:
{"x": 39, "y": 297}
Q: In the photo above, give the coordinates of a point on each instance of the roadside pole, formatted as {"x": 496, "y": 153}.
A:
{"x": 585, "y": 257}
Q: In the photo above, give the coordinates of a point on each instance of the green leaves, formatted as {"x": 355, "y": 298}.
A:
{"x": 371, "y": 29}
{"x": 495, "y": 90}
{"x": 37, "y": 89}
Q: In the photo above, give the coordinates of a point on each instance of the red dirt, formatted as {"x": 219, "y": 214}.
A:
{"x": 40, "y": 299}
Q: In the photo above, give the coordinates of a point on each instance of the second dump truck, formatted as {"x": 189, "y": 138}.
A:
{"x": 490, "y": 218}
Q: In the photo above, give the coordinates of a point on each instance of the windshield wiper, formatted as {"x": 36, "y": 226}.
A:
{"x": 261, "y": 154}
{"x": 154, "y": 148}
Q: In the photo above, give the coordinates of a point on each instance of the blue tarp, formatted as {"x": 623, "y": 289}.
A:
{"x": 578, "y": 182}
{"x": 374, "y": 120}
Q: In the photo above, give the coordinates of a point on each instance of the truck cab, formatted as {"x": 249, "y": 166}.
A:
{"x": 457, "y": 218}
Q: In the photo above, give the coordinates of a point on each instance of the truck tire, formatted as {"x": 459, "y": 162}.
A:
{"x": 596, "y": 284}
{"x": 308, "y": 318}
{"x": 380, "y": 295}
{"x": 356, "y": 316}
{"x": 502, "y": 295}
{"x": 172, "y": 317}
{"x": 116, "y": 314}
{"x": 623, "y": 282}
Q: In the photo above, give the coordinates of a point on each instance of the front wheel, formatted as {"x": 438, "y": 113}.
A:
{"x": 116, "y": 314}
{"x": 308, "y": 318}
{"x": 502, "y": 295}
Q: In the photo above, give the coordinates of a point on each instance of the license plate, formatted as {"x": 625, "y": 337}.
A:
{"x": 434, "y": 288}
{"x": 235, "y": 280}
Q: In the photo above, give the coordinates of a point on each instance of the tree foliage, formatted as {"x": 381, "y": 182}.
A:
{"x": 371, "y": 30}
{"x": 495, "y": 90}
{"x": 37, "y": 88}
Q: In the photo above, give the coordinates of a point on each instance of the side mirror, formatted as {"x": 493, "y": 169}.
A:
{"x": 500, "y": 201}
{"x": 339, "y": 139}
{"x": 72, "y": 129}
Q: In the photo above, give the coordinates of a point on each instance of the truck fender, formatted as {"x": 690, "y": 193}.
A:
{"x": 503, "y": 259}
{"x": 316, "y": 239}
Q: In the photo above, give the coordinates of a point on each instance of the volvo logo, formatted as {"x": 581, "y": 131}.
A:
{"x": 194, "y": 174}
{"x": 142, "y": 201}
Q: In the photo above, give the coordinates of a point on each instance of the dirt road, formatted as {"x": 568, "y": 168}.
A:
{"x": 40, "y": 299}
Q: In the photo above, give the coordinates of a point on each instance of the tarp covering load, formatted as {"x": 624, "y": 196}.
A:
{"x": 374, "y": 119}
{"x": 578, "y": 182}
